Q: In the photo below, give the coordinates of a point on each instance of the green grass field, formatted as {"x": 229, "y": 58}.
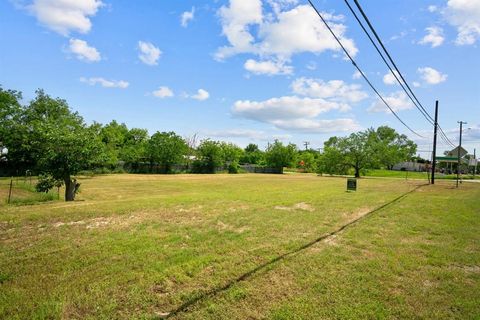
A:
{"x": 414, "y": 175}
{"x": 243, "y": 246}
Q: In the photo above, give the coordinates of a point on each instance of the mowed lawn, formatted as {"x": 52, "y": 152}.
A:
{"x": 189, "y": 246}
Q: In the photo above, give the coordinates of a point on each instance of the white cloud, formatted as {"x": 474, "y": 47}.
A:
{"x": 186, "y": 17}
{"x": 279, "y": 5}
{"x": 431, "y": 76}
{"x": 105, "y": 83}
{"x": 235, "y": 20}
{"x": 237, "y": 133}
{"x": 471, "y": 134}
{"x": 432, "y": 8}
{"x": 416, "y": 84}
{"x": 248, "y": 30}
{"x": 294, "y": 113}
{"x": 83, "y": 51}
{"x": 281, "y": 37}
{"x": 318, "y": 126}
{"x": 285, "y": 108}
{"x": 334, "y": 90}
{"x": 356, "y": 75}
{"x": 398, "y": 101}
{"x": 149, "y": 54}
{"x": 267, "y": 67}
{"x": 465, "y": 16}
{"x": 389, "y": 78}
{"x": 434, "y": 37}
{"x": 301, "y": 112}
{"x": 65, "y": 16}
{"x": 201, "y": 95}
{"x": 163, "y": 92}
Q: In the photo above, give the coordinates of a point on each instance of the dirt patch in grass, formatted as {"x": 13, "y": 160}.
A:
{"x": 358, "y": 213}
{"x": 226, "y": 227}
{"x": 299, "y": 206}
{"x": 189, "y": 209}
{"x": 240, "y": 207}
{"x": 467, "y": 269}
{"x": 331, "y": 241}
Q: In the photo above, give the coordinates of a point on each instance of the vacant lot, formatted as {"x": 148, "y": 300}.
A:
{"x": 208, "y": 246}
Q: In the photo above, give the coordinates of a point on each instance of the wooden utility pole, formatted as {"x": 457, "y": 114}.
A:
{"x": 475, "y": 163}
{"x": 434, "y": 154}
{"x": 458, "y": 150}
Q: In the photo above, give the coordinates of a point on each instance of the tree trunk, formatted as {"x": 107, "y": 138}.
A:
{"x": 71, "y": 188}
{"x": 357, "y": 172}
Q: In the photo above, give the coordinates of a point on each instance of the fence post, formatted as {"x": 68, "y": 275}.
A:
{"x": 10, "y": 190}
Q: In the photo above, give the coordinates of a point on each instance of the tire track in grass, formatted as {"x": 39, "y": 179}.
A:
{"x": 245, "y": 276}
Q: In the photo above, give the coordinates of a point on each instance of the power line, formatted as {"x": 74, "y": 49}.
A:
{"x": 360, "y": 70}
{"x": 417, "y": 103}
{"x": 446, "y": 137}
{"x": 446, "y": 142}
{"x": 420, "y": 108}
{"x": 388, "y": 55}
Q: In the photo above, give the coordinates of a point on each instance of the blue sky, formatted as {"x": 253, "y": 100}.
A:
{"x": 246, "y": 70}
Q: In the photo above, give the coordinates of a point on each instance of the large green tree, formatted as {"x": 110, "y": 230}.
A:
{"x": 307, "y": 160}
{"x": 390, "y": 147}
{"x": 13, "y": 133}
{"x": 134, "y": 150}
{"x": 59, "y": 140}
{"x": 113, "y": 136}
{"x": 331, "y": 161}
{"x": 364, "y": 150}
{"x": 210, "y": 156}
{"x": 278, "y": 155}
{"x": 166, "y": 149}
{"x": 231, "y": 152}
{"x": 341, "y": 153}
{"x": 252, "y": 155}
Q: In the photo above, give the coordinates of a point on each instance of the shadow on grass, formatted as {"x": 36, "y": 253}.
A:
{"x": 213, "y": 292}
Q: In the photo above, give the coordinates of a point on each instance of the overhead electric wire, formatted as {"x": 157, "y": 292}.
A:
{"x": 419, "y": 107}
{"x": 360, "y": 70}
{"x": 446, "y": 137}
{"x": 388, "y": 55}
{"x": 417, "y": 103}
{"x": 447, "y": 142}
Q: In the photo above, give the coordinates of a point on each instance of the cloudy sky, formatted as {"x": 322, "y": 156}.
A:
{"x": 246, "y": 70}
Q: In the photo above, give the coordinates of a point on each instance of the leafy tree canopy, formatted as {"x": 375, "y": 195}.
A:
{"x": 166, "y": 149}
{"x": 59, "y": 140}
{"x": 278, "y": 155}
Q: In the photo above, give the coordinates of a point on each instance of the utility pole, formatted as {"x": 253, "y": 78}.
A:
{"x": 475, "y": 162}
{"x": 434, "y": 154}
{"x": 306, "y": 143}
{"x": 458, "y": 150}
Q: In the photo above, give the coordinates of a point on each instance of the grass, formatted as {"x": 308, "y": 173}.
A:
{"x": 23, "y": 192}
{"x": 139, "y": 246}
{"x": 414, "y": 175}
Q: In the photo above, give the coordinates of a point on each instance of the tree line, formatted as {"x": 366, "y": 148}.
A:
{"x": 47, "y": 138}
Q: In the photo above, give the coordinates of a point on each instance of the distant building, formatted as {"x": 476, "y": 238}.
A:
{"x": 449, "y": 162}
{"x": 454, "y": 152}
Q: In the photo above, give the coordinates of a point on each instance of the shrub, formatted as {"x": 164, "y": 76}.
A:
{"x": 233, "y": 168}
{"x": 46, "y": 183}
